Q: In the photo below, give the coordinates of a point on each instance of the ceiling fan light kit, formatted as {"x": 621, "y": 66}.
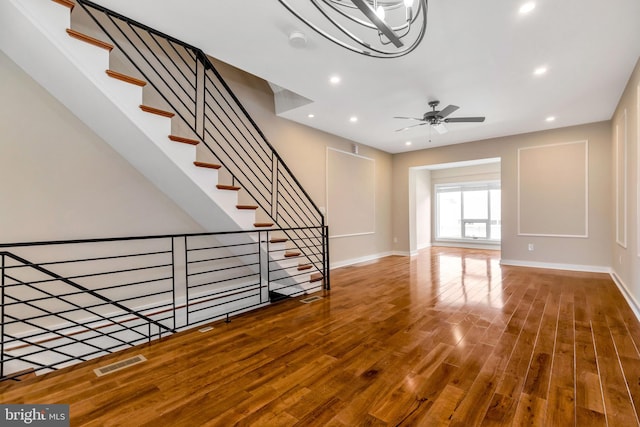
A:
{"x": 437, "y": 119}
{"x": 375, "y": 28}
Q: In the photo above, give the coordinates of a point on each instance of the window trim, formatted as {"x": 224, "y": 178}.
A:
{"x": 466, "y": 186}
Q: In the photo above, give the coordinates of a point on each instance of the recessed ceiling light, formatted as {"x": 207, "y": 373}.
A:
{"x": 527, "y": 7}
{"x": 334, "y": 80}
{"x": 540, "y": 70}
{"x": 407, "y": 143}
{"x": 353, "y": 119}
{"x": 311, "y": 116}
{"x": 550, "y": 119}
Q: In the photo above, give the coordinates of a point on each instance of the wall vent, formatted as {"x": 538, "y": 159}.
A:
{"x": 117, "y": 366}
{"x": 310, "y": 299}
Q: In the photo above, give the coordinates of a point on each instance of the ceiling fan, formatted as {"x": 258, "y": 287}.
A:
{"x": 437, "y": 119}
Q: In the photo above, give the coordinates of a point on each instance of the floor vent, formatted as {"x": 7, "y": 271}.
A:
{"x": 310, "y": 299}
{"x": 119, "y": 365}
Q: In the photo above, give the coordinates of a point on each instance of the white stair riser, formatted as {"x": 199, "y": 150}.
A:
{"x": 32, "y": 33}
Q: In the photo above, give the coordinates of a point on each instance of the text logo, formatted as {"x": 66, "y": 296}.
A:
{"x": 34, "y": 415}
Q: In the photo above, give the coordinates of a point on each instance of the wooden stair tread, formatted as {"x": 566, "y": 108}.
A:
{"x": 125, "y": 78}
{"x": 278, "y": 240}
{"x": 247, "y": 207}
{"x": 263, "y": 224}
{"x": 316, "y": 277}
{"x": 66, "y": 3}
{"x": 176, "y": 138}
{"x": 207, "y": 165}
{"x": 88, "y": 39}
{"x": 291, "y": 254}
{"x": 159, "y": 112}
{"x": 227, "y": 187}
{"x": 304, "y": 267}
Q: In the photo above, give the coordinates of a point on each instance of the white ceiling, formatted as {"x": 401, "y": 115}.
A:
{"x": 479, "y": 55}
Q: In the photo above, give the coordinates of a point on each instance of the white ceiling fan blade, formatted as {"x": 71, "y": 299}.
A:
{"x": 440, "y": 128}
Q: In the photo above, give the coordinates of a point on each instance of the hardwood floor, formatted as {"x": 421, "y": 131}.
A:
{"x": 445, "y": 338}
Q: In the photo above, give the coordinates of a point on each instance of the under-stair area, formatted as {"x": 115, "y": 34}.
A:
{"x": 163, "y": 107}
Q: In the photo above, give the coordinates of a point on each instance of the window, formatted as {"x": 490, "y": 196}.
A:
{"x": 468, "y": 211}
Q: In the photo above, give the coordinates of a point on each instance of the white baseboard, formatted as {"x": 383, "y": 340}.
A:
{"x": 554, "y": 266}
{"x": 628, "y": 296}
{"x": 404, "y": 253}
{"x": 366, "y": 258}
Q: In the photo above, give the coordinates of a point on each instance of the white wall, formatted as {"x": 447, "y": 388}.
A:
{"x": 61, "y": 181}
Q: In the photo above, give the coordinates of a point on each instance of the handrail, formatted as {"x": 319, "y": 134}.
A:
{"x": 87, "y": 292}
{"x": 84, "y": 289}
{"x": 185, "y": 78}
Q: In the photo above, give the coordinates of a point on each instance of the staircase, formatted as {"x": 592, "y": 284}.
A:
{"x": 161, "y": 143}
{"x": 161, "y": 104}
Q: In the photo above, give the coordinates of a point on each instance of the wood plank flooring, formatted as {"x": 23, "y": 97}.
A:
{"x": 448, "y": 337}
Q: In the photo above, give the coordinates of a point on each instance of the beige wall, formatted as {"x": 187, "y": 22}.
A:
{"x": 304, "y": 149}
{"x": 625, "y": 261}
{"x": 61, "y": 181}
{"x": 67, "y": 183}
{"x": 590, "y": 253}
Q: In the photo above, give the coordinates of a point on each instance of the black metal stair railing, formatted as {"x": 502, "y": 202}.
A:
{"x": 64, "y": 302}
{"x": 188, "y": 83}
{"x": 46, "y": 317}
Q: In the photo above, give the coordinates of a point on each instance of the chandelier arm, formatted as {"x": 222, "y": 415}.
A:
{"x": 387, "y": 5}
{"x": 367, "y": 24}
{"x": 416, "y": 42}
{"x": 347, "y": 16}
{"x": 326, "y": 35}
{"x": 367, "y": 46}
{"x": 409, "y": 23}
{"x": 361, "y": 46}
{"x": 382, "y": 26}
{"x": 340, "y": 4}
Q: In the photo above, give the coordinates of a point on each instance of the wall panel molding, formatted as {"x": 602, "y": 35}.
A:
{"x": 621, "y": 180}
{"x": 553, "y": 190}
{"x": 350, "y": 194}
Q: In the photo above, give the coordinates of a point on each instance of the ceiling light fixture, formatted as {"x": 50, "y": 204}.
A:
{"x": 550, "y": 119}
{"x": 334, "y": 80}
{"x": 353, "y": 119}
{"x": 540, "y": 71}
{"x": 408, "y": 143}
{"x": 311, "y": 116}
{"x": 527, "y": 7}
{"x": 376, "y": 28}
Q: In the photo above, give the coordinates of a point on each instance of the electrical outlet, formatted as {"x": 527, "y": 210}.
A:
{"x": 530, "y": 247}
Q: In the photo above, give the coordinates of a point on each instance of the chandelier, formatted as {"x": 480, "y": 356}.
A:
{"x": 376, "y": 28}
